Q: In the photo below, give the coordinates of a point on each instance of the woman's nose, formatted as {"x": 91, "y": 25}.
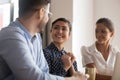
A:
{"x": 60, "y": 30}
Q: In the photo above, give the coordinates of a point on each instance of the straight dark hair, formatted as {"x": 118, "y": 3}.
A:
{"x": 64, "y": 20}
{"x": 26, "y": 6}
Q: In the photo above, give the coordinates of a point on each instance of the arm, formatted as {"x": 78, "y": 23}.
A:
{"x": 66, "y": 62}
{"x": 55, "y": 63}
{"x": 15, "y": 51}
{"x": 90, "y": 65}
{"x": 72, "y": 70}
{"x": 73, "y": 67}
{"x": 103, "y": 77}
{"x": 77, "y": 76}
{"x": 86, "y": 57}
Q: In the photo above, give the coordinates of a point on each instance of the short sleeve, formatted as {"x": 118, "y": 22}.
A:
{"x": 86, "y": 56}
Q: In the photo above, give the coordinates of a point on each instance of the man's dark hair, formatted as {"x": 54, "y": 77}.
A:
{"x": 64, "y": 20}
{"x": 26, "y": 6}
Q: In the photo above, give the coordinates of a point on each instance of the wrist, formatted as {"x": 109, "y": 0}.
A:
{"x": 66, "y": 68}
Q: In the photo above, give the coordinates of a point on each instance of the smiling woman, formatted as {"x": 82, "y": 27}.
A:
{"x": 60, "y": 61}
{"x": 102, "y": 54}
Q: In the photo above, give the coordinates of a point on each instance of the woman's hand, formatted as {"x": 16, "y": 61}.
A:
{"x": 68, "y": 60}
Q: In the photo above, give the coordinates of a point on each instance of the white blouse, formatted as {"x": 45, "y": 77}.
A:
{"x": 92, "y": 55}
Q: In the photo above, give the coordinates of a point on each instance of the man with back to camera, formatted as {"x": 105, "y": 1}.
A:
{"x": 21, "y": 55}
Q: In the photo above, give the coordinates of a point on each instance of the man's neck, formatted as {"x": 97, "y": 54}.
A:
{"x": 29, "y": 25}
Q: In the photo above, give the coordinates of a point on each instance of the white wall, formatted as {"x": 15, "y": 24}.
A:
{"x": 83, "y": 27}
{"x": 109, "y": 9}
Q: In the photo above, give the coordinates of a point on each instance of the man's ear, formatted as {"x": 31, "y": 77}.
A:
{"x": 41, "y": 12}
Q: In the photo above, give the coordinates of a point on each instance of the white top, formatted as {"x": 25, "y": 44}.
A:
{"x": 92, "y": 55}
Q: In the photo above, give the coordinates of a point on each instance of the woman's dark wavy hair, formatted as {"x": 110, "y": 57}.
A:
{"x": 107, "y": 22}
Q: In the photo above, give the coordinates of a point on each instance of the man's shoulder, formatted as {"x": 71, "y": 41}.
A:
{"x": 4, "y": 69}
{"x": 11, "y": 32}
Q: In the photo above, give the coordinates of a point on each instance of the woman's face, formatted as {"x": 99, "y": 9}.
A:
{"x": 103, "y": 34}
{"x": 60, "y": 32}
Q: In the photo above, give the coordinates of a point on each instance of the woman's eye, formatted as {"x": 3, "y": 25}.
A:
{"x": 103, "y": 31}
{"x": 56, "y": 27}
{"x": 64, "y": 29}
{"x": 96, "y": 31}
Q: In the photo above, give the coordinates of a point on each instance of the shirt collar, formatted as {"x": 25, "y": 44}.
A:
{"x": 27, "y": 33}
{"x": 52, "y": 46}
{"x": 95, "y": 49}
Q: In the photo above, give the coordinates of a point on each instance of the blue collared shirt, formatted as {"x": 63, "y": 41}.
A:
{"x": 22, "y": 55}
